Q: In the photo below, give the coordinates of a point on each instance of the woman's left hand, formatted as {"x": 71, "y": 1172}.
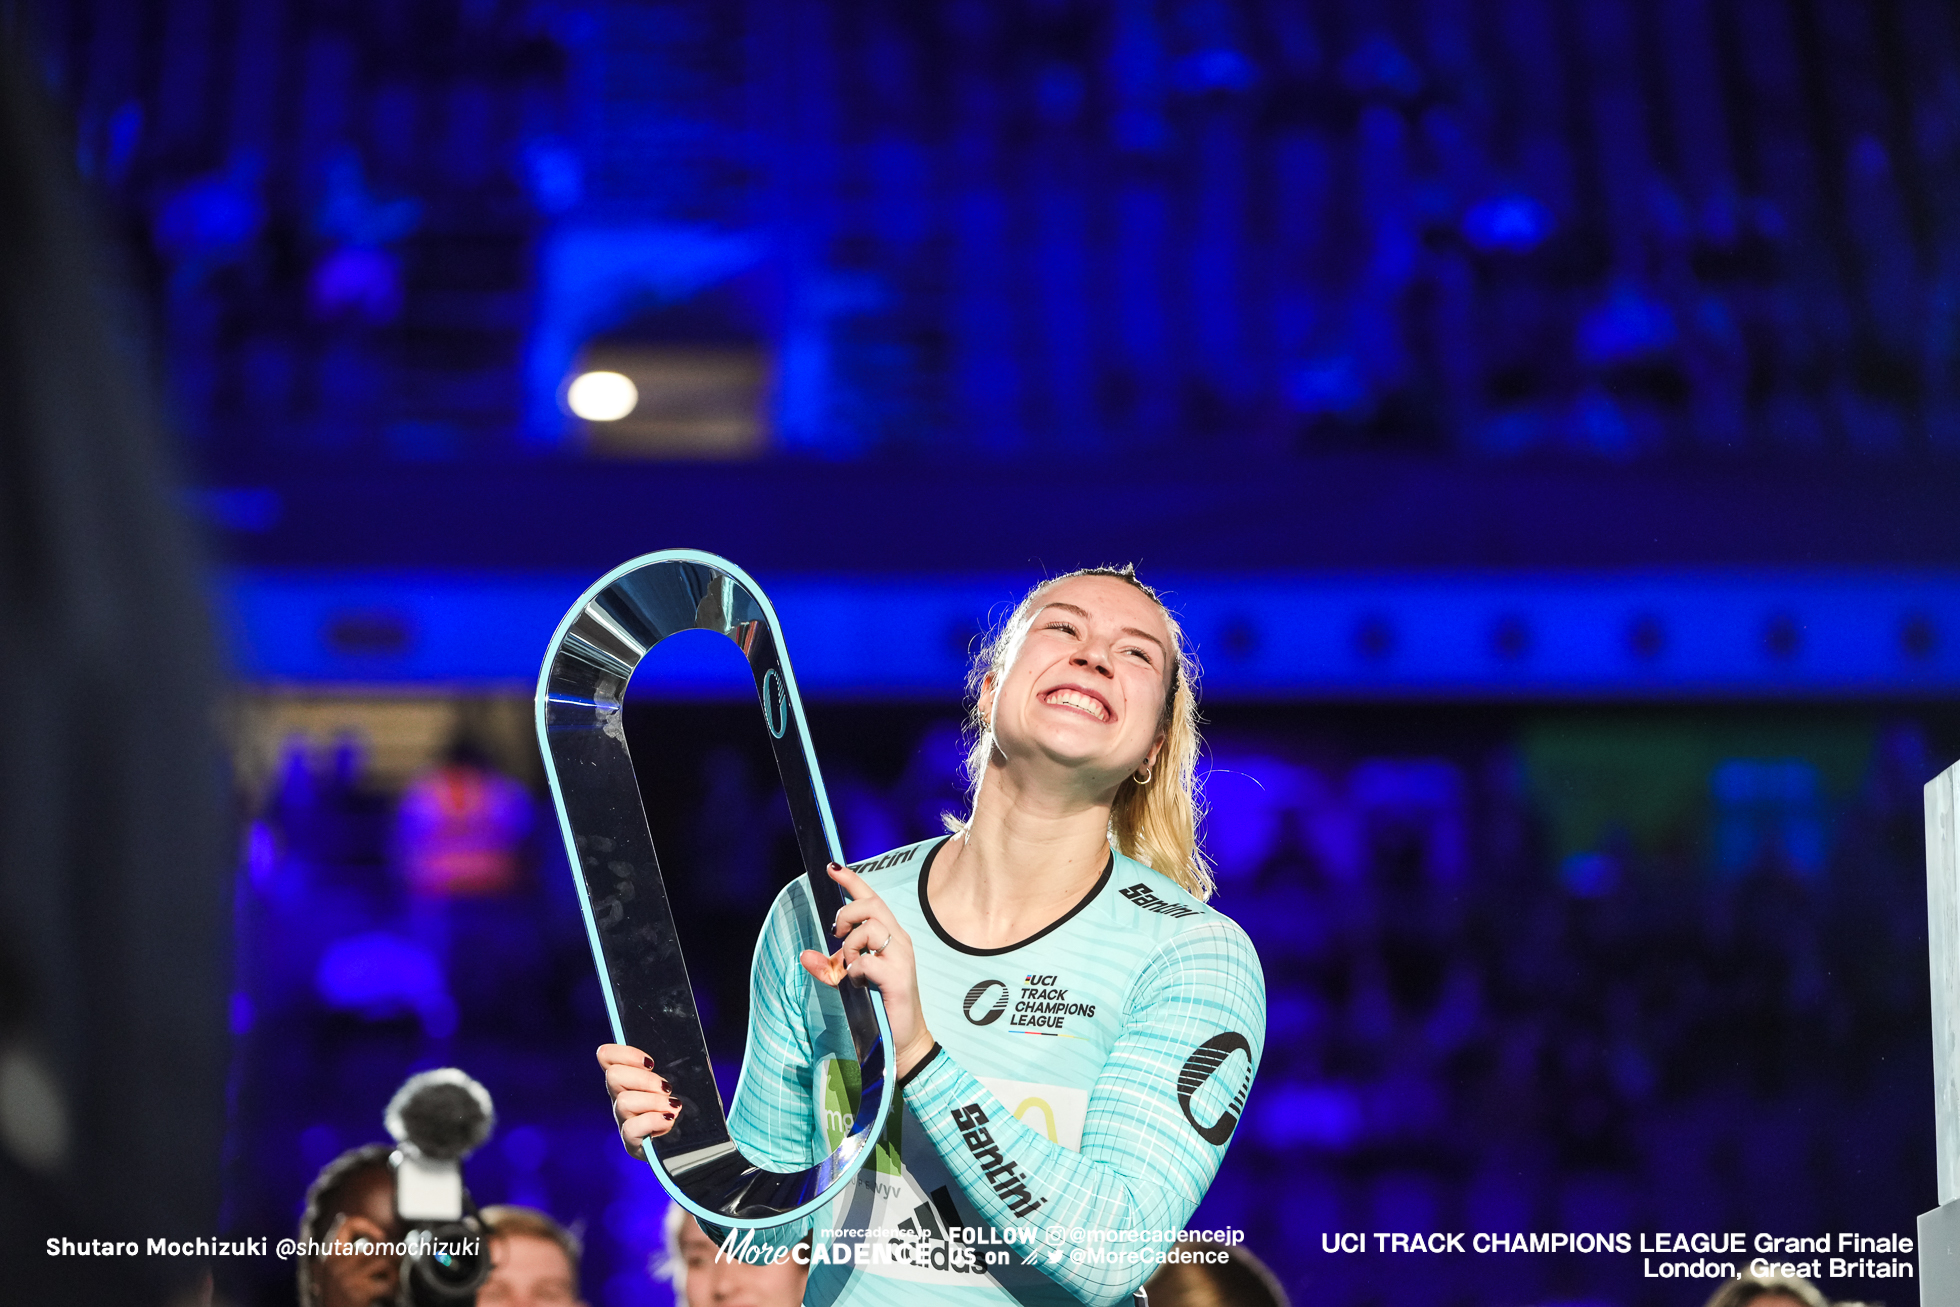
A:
{"x": 875, "y": 949}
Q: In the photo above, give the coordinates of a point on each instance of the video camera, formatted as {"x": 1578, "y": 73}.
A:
{"x": 437, "y": 1119}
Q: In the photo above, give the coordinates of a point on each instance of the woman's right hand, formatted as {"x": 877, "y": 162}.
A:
{"x": 642, "y": 1100}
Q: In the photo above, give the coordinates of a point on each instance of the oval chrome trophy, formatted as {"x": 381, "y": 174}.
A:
{"x": 581, "y": 728}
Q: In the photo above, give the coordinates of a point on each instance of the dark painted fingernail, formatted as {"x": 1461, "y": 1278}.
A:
{"x": 649, "y": 1062}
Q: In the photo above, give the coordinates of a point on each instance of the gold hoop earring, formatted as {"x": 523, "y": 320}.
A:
{"x": 1149, "y": 770}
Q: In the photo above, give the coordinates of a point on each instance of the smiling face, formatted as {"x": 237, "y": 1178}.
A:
{"x": 1084, "y": 691}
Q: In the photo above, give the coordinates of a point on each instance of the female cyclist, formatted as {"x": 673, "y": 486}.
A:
{"x": 1075, "y": 1030}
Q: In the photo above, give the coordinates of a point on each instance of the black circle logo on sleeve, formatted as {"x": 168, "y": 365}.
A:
{"x": 987, "y": 1011}
{"x": 1201, "y": 1066}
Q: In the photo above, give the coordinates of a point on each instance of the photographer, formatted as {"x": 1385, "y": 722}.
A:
{"x": 351, "y": 1201}
{"x": 383, "y": 1225}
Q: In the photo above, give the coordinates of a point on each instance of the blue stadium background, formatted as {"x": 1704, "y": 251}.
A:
{"x": 1546, "y": 414}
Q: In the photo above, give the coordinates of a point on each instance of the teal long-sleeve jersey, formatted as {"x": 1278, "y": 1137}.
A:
{"x": 1086, "y": 1084}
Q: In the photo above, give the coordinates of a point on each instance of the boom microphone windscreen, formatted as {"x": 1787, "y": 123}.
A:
{"x": 440, "y": 1115}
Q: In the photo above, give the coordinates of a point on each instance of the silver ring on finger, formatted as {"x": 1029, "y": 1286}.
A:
{"x": 879, "y": 951}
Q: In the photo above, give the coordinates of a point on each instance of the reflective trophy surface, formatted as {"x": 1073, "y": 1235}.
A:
{"x": 581, "y": 729}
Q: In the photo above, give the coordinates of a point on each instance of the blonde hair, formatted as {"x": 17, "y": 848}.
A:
{"x": 505, "y": 1219}
{"x": 1153, "y": 821}
{"x": 1750, "y": 1288}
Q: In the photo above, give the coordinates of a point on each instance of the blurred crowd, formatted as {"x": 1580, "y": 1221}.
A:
{"x": 1486, "y": 227}
{"x": 1683, "y": 1032}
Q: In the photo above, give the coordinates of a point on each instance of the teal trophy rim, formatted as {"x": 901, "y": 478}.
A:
{"x": 859, "y": 1144}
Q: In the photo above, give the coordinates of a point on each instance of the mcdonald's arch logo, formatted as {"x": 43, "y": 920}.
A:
{"x": 1047, "y": 1111}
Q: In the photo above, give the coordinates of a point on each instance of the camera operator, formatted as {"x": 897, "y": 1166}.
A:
{"x": 534, "y": 1260}
{"x": 352, "y": 1200}
{"x": 396, "y": 1225}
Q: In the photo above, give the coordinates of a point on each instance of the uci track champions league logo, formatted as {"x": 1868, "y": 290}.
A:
{"x": 1042, "y": 1009}
{"x": 1200, "y": 1069}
